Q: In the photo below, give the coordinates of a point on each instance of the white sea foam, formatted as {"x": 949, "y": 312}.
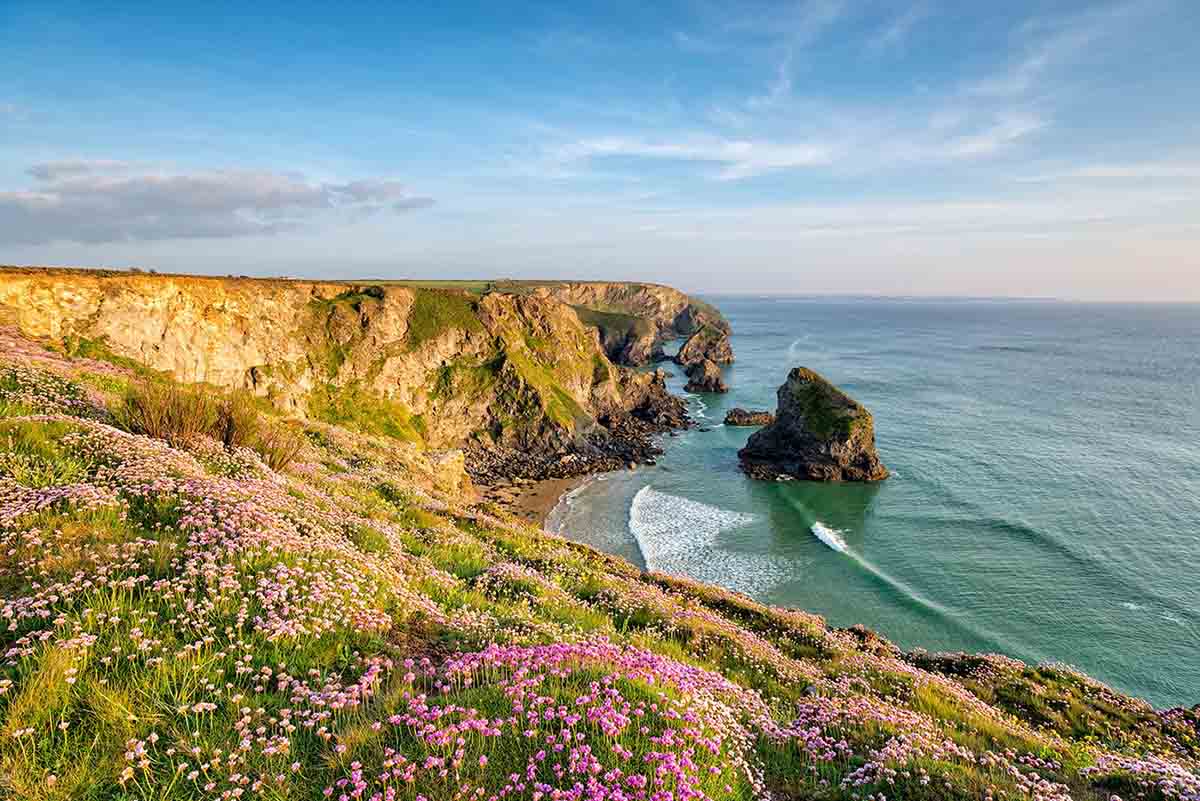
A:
{"x": 681, "y": 536}
{"x": 792, "y": 349}
{"x": 558, "y": 513}
{"x": 1131, "y": 606}
{"x": 830, "y": 536}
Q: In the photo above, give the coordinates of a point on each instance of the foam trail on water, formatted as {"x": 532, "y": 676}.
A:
{"x": 792, "y": 348}
{"x": 833, "y": 538}
{"x": 830, "y": 536}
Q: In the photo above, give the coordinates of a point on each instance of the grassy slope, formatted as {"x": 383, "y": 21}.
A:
{"x": 187, "y": 624}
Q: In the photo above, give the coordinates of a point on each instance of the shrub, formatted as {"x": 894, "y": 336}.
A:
{"x": 177, "y": 414}
{"x": 237, "y": 423}
{"x": 278, "y": 445}
{"x": 167, "y": 411}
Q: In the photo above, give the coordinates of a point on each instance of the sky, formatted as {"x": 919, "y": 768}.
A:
{"x": 914, "y": 147}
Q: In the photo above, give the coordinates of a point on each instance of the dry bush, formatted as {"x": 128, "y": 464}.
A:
{"x": 278, "y": 446}
{"x": 176, "y": 414}
{"x": 238, "y": 422}
{"x": 167, "y": 411}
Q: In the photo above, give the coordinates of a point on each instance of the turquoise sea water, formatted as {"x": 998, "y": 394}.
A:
{"x": 1045, "y": 498}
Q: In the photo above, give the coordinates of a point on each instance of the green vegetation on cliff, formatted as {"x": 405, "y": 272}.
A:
{"x": 435, "y": 311}
{"x": 353, "y": 407}
{"x": 827, "y": 411}
{"x": 185, "y": 622}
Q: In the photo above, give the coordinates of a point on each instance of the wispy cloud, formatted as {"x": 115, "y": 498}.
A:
{"x": 1007, "y": 130}
{"x": 1139, "y": 171}
{"x": 1050, "y": 42}
{"x": 893, "y": 36}
{"x": 779, "y": 89}
{"x": 798, "y": 23}
{"x": 107, "y": 201}
{"x": 737, "y": 158}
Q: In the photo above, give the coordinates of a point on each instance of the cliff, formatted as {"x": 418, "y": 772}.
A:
{"x": 819, "y": 433}
{"x": 443, "y": 365}
{"x": 185, "y": 621}
{"x": 634, "y": 319}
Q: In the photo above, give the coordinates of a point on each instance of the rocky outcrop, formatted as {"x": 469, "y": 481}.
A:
{"x": 634, "y": 320}
{"x": 820, "y": 434}
{"x": 709, "y": 344}
{"x": 627, "y": 340}
{"x": 705, "y": 376}
{"x": 748, "y": 417}
{"x": 444, "y": 368}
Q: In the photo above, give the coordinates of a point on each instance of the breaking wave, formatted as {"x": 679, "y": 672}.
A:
{"x": 681, "y": 536}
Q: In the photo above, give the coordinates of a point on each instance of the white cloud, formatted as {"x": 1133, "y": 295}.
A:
{"x": 1007, "y": 129}
{"x": 105, "y": 201}
{"x": 738, "y": 158}
{"x": 893, "y": 35}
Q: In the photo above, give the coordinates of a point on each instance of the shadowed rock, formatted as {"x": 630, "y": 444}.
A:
{"x": 705, "y": 376}
{"x": 820, "y": 434}
{"x": 748, "y": 417}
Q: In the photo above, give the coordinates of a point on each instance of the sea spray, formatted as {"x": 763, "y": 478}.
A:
{"x": 830, "y": 536}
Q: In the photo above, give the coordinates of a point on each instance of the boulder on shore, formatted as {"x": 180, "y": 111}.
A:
{"x": 748, "y": 417}
{"x": 709, "y": 343}
{"x": 820, "y": 434}
{"x": 705, "y": 376}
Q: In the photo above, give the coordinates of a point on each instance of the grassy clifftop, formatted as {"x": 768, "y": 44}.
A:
{"x": 185, "y": 622}
{"x": 440, "y": 363}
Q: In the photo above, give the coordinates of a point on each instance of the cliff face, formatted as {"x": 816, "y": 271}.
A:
{"x": 432, "y": 365}
{"x": 634, "y": 320}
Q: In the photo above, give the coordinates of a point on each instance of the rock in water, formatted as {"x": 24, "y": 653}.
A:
{"x": 820, "y": 434}
{"x": 748, "y": 417}
{"x": 705, "y": 376}
{"x": 708, "y": 343}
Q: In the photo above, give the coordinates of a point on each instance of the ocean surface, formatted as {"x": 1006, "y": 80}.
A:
{"x": 1045, "y": 492}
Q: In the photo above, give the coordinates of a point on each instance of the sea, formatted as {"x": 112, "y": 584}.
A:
{"x": 1044, "y": 501}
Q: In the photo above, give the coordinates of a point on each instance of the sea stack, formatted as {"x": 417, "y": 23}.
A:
{"x": 705, "y": 376}
{"x": 709, "y": 343}
{"x": 820, "y": 434}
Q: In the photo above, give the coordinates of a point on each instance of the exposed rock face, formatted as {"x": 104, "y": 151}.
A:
{"x": 634, "y": 320}
{"x": 820, "y": 434}
{"x": 443, "y": 368}
{"x": 707, "y": 344}
{"x": 748, "y": 417}
{"x": 627, "y": 340}
{"x": 705, "y": 376}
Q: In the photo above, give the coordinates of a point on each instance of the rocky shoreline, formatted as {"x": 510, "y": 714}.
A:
{"x": 620, "y": 440}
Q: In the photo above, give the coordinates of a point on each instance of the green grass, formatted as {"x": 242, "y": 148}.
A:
{"x": 353, "y": 407}
{"x": 78, "y": 346}
{"x": 34, "y": 455}
{"x": 613, "y": 321}
{"x": 435, "y": 311}
{"x": 829, "y": 412}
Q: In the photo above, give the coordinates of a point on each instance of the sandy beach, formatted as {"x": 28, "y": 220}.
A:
{"x": 532, "y": 500}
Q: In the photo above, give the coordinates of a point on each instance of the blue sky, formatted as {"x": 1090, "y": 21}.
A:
{"x": 926, "y": 147}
